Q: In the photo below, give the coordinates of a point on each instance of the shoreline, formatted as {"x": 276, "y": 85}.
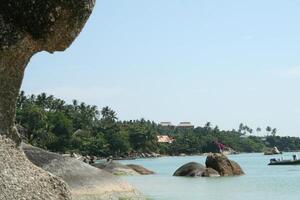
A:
{"x": 201, "y": 154}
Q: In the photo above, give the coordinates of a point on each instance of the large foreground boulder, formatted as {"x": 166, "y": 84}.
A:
{"x": 21, "y": 180}
{"x": 85, "y": 181}
{"x": 28, "y": 27}
{"x": 193, "y": 169}
{"x": 223, "y": 165}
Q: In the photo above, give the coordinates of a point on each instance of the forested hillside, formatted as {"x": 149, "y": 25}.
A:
{"x": 53, "y": 124}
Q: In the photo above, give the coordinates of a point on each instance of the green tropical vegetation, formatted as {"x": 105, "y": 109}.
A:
{"x": 51, "y": 123}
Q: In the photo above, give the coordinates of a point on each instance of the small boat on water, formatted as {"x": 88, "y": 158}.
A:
{"x": 294, "y": 161}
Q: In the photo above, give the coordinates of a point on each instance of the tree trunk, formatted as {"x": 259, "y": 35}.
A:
{"x": 12, "y": 66}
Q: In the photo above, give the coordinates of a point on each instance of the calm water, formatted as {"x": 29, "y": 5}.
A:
{"x": 261, "y": 182}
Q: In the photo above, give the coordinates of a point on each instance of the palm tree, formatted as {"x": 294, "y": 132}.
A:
{"x": 241, "y": 127}
{"x": 250, "y": 130}
{"x": 274, "y": 131}
{"x": 207, "y": 126}
{"x": 258, "y": 130}
{"x": 268, "y": 129}
{"x": 108, "y": 113}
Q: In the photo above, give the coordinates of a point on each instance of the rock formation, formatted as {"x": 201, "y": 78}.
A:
{"x": 140, "y": 169}
{"x": 216, "y": 165}
{"x": 20, "y": 179}
{"x": 272, "y": 151}
{"x": 223, "y": 165}
{"x": 120, "y": 169}
{"x": 27, "y": 27}
{"x": 85, "y": 181}
{"x": 193, "y": 169}
{"x": 116, "y": 168}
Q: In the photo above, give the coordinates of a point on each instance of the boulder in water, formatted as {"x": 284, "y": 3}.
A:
{"x": 193, "y": 169}
{"x": 272, "y": 151}
{"x": 210, "y": 172}
{"x": 140, "y": 169}
{"x": 116, "y": 168}
{"x": 223, "y": 165}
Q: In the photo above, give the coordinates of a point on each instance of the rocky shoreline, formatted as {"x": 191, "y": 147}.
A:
{"x": 120, "y": 169}
{"x": 135, "y": 156}
{"x": 84, "y": 180}
{"x": 21, "y": 179}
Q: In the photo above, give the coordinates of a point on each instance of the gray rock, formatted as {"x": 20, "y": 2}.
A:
{"x": 116, "y": 168}
{"x": 84, "y": 180}
{"x": 223, "y": 165}
{"x": 210, "y": 172}
{"x": 140, "y": 169}
{"x": 28, "y": 27}
{"x": 272, "y": 151}
{"x": 193, "y": 169}
{"x": 20, "y": 179}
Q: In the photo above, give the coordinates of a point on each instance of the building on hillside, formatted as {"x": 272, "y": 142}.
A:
{"x": 165, "y": 139}
{"x": 185, "y": 125}
{"x": 166, "y": 124}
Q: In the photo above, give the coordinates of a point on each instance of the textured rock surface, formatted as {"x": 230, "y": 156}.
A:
{"x": 27, "y": 27}
{"x": 210, "y": 172}
{"x": 116, "y": 168}
{"x": 49, "y": 25}
{"x": 272, "y": 151}
{"x": 190, "y": 169}
{"x": 85, "y": 181}
{"x": 223, "y": 165}
{"x": 140, "y": 169}
{"x": 20, "y": 179}
{"x": 193, "y": 169}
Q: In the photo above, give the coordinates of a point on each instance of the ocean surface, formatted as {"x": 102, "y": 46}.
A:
{"x": 261, "y": 182}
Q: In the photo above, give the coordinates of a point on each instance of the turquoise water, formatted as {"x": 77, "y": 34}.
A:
{"x": 261, "y": 182}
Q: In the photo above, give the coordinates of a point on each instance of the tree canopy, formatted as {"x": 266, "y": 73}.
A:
{"x": 55, "y": 125}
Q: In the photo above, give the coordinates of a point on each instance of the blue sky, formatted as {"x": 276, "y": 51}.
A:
{"x": 183, "y": 60}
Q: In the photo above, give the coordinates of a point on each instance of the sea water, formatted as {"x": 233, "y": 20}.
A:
{"x": 261, "y": 182}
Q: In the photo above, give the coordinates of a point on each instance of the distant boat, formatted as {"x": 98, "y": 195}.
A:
{"x": 295, "y": 161}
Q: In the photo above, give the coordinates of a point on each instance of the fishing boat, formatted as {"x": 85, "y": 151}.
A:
{"x": 294, "y": 161}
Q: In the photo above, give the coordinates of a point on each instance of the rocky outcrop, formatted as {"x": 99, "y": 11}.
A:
{"x": 216, "y": 165}
{"x": 140, "y": 169}
{"x": 120, "y": 169}
{"x": 210, "y": 172}
{"x": 272, "y": 151}
{"x": 20, "y": 179}
{"x": 223, "y": 165}
{"x": 229, "y": 151}
{"x": 194, "y": 169}
{"x": 27, "y": 27}
{"x": 116, "y": 168}
{"x": 84, "y": 180}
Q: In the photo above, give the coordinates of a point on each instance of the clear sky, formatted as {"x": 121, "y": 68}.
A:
{"x": 183, "y": 60}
